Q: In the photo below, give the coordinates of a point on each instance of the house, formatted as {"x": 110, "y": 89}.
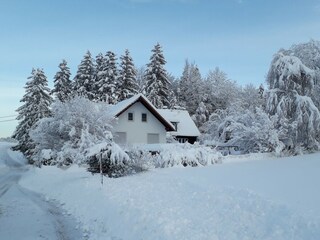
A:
{"x": 185, "y": 128}
{"x": 140, "y": 122}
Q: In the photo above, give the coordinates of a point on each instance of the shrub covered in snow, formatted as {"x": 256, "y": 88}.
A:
{"x": 78, "y": 131}
{"x": 109, "y": 159}
{"x": 251, "y": 131}
{"x": 169, "y": 155}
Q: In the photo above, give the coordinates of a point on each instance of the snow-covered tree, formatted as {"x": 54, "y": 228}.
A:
{"x": 261, "y": 91}
{"x": 173, "y": 101}
{"x": 141, "y": 81}
{"x": 190, "y": 88}
{"x": 113, "y": 89}
{"x": 157, "y": 83}
{"x": 107, "y": 83}
{"x": 201, "y": 115}
{"x": 127, "y": 80}
{"x": 62, "y": 84}
{"x": 84, "y": 79}
{"x": 220, "y": 90}
{"x": 309, "y": 54}
{"x": 78, "y": 132}
{"x": 251, "y": 98}
{"x": 291, "y": 84}
{"x": 100, "y": 84}
{"x": 251, "y": 131}
{"x": 36, "y": 103}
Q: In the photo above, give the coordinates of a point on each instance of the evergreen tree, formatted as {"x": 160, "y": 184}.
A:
{"x": 261, "y": 91}
{"x": 127, "y": 77}
{"x": 157, "y": 84}
{"x": 201, "y": 115}
{"x": 190, "y": 88}
{"x": 62, "y": 83}
{"x": 107, "y": 83}
{"x": 100, "y": 84}
{"x": 221, "y": 92}
{"x": 251, "y": 97}
{"x": 36, "y": 102}
{"x": 84, "y": 79}
{"x": 173, "y": 101}
{"x": 141, "y": 80}
{"x": 112, "y": 78}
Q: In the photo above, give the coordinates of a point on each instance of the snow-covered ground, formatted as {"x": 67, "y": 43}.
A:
{"x": 246, "y": 197}
{"x": 25, "y": 214}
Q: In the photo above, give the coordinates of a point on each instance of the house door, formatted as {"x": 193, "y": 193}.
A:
{"x": 120, "y": 137}
{"x": 153, "y": 138}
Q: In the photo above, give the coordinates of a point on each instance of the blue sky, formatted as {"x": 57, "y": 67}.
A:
{"x": 239, "y": 36}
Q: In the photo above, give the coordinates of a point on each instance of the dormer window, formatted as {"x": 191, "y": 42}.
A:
{"x": 143, "y": 117}
{"x": 130, "y": 116}
{"x": 175, "y": 124}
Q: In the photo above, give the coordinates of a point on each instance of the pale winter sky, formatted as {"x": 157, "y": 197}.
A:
{"x": 239, "y": 36}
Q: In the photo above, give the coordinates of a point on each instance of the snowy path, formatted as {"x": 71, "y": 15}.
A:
{"x": 25, "y": 214}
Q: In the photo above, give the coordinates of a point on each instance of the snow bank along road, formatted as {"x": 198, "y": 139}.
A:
{"x": 25, "y": 214}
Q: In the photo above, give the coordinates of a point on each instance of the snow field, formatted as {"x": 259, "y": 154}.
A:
{"x": 265, "y": 199}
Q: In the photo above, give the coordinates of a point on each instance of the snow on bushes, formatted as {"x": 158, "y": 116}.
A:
{"x": 79, "y": 130}
{"x": 169, "y": 155}
{"x": 109, "y": 159}
{"x": 251, "y": 131}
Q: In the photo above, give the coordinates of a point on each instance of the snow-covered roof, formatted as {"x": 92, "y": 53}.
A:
{"x": 186, "y": 126}
{"x": 122, "y": 106}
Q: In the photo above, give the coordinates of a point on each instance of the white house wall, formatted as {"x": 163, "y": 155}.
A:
{"x": 136, "y": 130}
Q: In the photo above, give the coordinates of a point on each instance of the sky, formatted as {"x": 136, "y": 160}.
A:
{"x": 238, "y": 36}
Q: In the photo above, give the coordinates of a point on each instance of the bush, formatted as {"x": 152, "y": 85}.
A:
{"x": 111, "y": 160}
{"x": 169, "y": 155}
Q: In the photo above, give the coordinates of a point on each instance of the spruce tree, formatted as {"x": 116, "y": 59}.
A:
{"x": 201, "y": 115}
{"x": 157, "y": 82}
{"x": 100, "y": 85}
{"x": 112, "y": 78}
{"x": 107, "y": 74}
{"x": 84, "y": 79}
{"x": 36, "y": 103}
{"x": 62, "y": 83}
{"x": 127, "y": 77}
{"x": 190, "y": 88}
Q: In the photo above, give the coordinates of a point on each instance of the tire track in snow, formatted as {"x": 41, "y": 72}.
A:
{"x": 64, "y": 225}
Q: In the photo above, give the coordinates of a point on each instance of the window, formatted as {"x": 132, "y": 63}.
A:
{"x": 130, "y": 116}
{"x": 175, "y": 124}
{"x": 120, "y": 137}
{"x": 143, "y": 117}
{"x": 153, "y": 138}
{"x": 182, "y": 140}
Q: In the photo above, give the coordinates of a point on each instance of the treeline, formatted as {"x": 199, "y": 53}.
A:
{"x": 287, "y": 120}
{"x": 282, "y": 118}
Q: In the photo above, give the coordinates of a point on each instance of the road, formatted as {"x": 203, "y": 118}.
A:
{"x": 25, "y": 214}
